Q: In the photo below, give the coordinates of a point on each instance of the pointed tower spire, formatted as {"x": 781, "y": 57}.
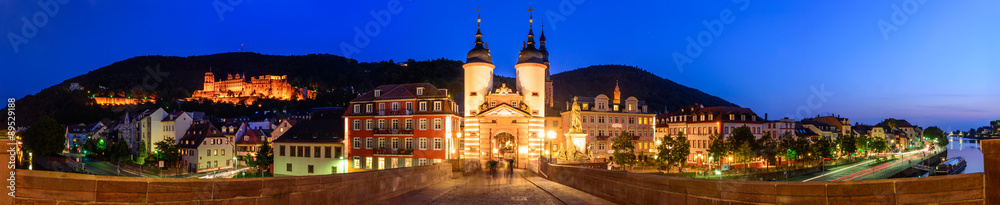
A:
{"x": 618, "y": 94}
{"x": 479, "y": 53}
{"x": 531, "y": 33}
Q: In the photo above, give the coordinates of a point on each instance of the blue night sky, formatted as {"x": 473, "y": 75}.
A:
{"x": 938, "y": 64}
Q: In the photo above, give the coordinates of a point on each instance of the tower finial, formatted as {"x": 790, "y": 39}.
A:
{"x": 530, "y": 16}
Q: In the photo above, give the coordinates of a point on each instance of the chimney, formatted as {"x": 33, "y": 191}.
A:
{"x": 765, "y": 117}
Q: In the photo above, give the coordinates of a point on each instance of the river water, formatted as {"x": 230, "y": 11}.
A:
{"x": 969, "y": 149}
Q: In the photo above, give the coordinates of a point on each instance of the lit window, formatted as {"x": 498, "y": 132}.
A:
{"x": 438, "y": 143}
{"x": 423, "y": 124}
{"x": 438, "y": 124}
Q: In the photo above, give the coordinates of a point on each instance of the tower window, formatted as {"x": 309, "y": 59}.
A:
{"x": 535, "y": 94}
{"x": 472, "y": 94}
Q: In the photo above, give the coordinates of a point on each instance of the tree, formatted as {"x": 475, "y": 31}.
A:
{"x": 264, "y": 158}
{"x": 786, "y": 146}
{"x": 742, "y": 144}
{"x": 681, "y": 150}
{"x": 45, "y": 137}
{"x": 823, "y": 148}
{"x": 623, "y": 149}
{"x": 718, "y": 148}
{"x": 664, "y": 150}
{"x": 880, "y": 145}
{"x": 167, "y": 150}
{"x": 848, "y": 144}
{"x": 768, "y": 148}
{"x": 935, "y": 134}
{"x": 140, "y": 158}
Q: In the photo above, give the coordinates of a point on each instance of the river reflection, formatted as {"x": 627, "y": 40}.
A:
{"x": 969, "y": 149}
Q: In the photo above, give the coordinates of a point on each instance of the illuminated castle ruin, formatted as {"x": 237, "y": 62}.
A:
{"x": 235, "y": 89}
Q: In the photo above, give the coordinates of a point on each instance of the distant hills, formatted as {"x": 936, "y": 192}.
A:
{"x": 336, "y": 79}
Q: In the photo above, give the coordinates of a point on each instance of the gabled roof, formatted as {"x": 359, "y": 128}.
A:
{"x": 253, "y": 137}
{"x": 197, "y": 133}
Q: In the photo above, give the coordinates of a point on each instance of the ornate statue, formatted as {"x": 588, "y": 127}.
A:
{"x": 577, "y": 126}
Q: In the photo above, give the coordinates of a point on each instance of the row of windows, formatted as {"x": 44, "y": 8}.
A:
{"x": 395, "y": 124}
{"x": 712, "y": 130}
{"x": 310, "y": 168}
{"x": 616, "y": 119}
{"x": 311, "y": 151}
{"x": 394, "y": 143}
{"x": 211, "y": 164}
{"x": 709, "y": 117}
{"x": 616, "y": 132}
{"x": 395, "y": 106}
{"x": 388, "y": 163}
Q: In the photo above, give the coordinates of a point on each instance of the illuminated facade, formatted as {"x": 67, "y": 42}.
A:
{"x": 109, "y": 101}
{"x": 698, "y": 122}
{"x": 603, "y": 118}
{"x": 403, "y": 125}
{"x": 506, "y": 122}
{"x": 236, "y": 88}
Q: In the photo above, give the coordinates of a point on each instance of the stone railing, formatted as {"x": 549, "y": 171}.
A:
{"x": 633, "y": 188}
{"x": 44, "y": 187}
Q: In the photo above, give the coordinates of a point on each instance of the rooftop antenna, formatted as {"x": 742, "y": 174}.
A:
{"x": 241, "y": 47}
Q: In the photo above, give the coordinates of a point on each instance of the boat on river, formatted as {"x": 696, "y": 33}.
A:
{"x": 955, "y": 165}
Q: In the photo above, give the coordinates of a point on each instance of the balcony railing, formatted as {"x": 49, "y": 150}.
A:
{"x": 394, "y": 132}
{"x": 393, "y": 151}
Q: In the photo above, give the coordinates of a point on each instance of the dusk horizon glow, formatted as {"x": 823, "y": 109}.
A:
{"x": 934, "y": 63}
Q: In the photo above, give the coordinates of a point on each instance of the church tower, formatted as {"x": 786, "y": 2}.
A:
{"x": 478, "y": 74}
{"x": 531, "y": 75}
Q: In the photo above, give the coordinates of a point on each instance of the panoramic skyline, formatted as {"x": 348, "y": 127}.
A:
{"x": 934, "y": 63}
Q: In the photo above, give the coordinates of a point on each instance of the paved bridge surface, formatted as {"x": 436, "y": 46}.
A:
{"x": 521, "y": 187}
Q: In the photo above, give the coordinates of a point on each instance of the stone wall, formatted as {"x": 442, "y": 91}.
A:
{"x": 633, "y": 188}
{"x": 44, "y": 187}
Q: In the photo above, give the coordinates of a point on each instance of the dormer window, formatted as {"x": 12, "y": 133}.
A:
{"x": 420, "y": 91}
{"x": 378, "y": 93}
{"x": 732, "y": 117}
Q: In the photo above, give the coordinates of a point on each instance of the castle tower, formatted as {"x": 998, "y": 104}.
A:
{"x": 478, "y": 74}
{"x": 531, "y": 75}
{"x": 209, "y": 82}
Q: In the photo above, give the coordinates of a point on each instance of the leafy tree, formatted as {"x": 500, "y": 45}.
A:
{"x": 167, "y": 151}
{"x": 664, "y": 150}
{"x": 681, "y": 150}
{"x": 935, "y": 134}
{"x": 264, "y": 157}
{"x": 971, "y": 133}
{"x": 673, "y": 151}
{"x": 742, "y": 144}
{"x": 45, "y": 137}
{"x": 623, "y": 149}
{"x": 718, "y": 148}
{"x": 786, "y": 146}
{"x": 140, "y": 158}
{"x": 880, "y": 145}
{"x": 823, "y": 147}
{"x": 802, "y": 148}
{"x": 769, "y": 148}
{"x": 848, "y": 144}
{"x": 118, "y": 150}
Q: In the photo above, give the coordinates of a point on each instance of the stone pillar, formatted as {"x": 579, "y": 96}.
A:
{"x": 991, "y": 164}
